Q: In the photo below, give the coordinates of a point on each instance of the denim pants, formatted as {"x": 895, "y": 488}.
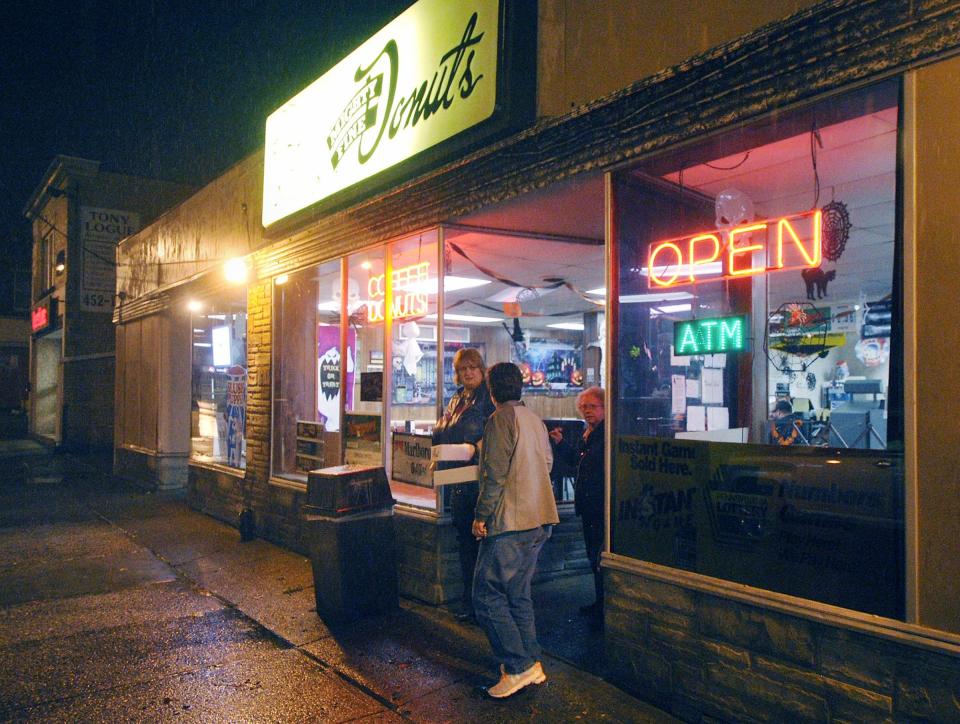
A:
{"x": 463, "y": 502}
{"x": 501, "y": 595}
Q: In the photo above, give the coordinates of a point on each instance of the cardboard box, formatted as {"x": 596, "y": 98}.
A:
{"x": 466, "y": 474}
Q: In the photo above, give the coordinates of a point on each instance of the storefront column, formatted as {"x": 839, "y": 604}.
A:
{"x": 152, "y": 423}
{"x": 936, "y": 106}
{"x": 258, "y": 382}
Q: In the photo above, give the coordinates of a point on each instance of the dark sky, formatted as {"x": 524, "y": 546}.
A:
{"x": 173, "y": 90}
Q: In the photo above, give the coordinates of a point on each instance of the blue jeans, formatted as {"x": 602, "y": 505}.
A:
{"x": 501, "y": 595}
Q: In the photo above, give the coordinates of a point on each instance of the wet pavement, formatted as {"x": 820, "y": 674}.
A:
{"x": 117, "y": 604}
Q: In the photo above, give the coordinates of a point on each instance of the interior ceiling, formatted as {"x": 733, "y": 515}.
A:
{"x": 572, "y": 208}
{"x": 856, "y": 165}
{"x": 781, "y": 173}
{"x": 553, "y": 232}
{"x": 558, "y": 231}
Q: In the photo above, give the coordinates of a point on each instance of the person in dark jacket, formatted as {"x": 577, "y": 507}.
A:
{"x": 589, "y": 458}
{"x": 463, "y": 422}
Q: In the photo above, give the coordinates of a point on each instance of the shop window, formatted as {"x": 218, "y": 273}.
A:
{"x": 413, "y": 370}
{"x": 536, "y": 301}
{"x": 306, "y": 367}
{"x": 219, "y": 380}
{"x": 366, "y": 320}
{"x": 757, "y": 371}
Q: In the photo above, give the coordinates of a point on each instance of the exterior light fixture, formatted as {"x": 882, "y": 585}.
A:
{"x": 61, "y": 262}
{"x": 194, "y": 306}
{"x": 281, "y": 279}
{"x": 236, "y": 271}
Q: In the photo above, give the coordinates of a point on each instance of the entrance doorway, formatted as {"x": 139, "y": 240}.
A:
{"x": 47, "y": 389}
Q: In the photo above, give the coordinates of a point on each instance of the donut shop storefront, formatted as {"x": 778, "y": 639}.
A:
{"x": 748, "y": 290}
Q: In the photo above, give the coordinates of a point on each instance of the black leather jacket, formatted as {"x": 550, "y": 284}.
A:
{"x": 589, "y": 458}
{"x": 463, "y": 421}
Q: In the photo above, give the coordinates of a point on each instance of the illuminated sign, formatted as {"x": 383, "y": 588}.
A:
{"x": 43, "y": 316}
{"x": 783, "y": 243}
{"x": 409, "y": 297}
{"x": 711, "y": 336}
{"x": 221, "y": 346}
{"x": 39, "y": 319}
{"x": 425, "y": 77}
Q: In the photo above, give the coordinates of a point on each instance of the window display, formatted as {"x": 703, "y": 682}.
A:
{"x": 219, "y": 380}
{"x": 306, "y": 398}
{"x": 756, "y": 305}
{"x": 533, "y": 301}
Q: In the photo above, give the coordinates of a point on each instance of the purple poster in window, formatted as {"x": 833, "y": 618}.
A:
{"x": 328, "y": 374}
{"x": 236, "y": 414}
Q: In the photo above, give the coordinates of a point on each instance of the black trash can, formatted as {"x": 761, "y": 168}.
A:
{"x": 348, "y": 525}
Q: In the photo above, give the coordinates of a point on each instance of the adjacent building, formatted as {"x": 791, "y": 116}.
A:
{"x": 14, "y": 345}
{"x": 740, "y": 223}
{"x": 78, "y": 213}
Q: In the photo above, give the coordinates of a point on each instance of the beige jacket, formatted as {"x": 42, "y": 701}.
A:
{"x": 515, "y": 460}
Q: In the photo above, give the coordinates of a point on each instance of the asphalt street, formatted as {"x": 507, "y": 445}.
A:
{"x": 121, "y": 605}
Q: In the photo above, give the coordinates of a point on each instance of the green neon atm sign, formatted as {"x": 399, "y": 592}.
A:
{"x": 711, "y": 336}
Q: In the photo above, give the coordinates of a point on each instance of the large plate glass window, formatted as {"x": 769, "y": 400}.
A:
{"x": 415, "y": 277}
{"x": 219, "y": 379}
{"x": 365, "y": 322}
{"x": 535, "y": 300}
{"x": 758, "y": 369}
{"x": 307, "y": 381}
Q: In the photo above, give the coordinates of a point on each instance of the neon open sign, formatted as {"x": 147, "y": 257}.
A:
{"x": 710, "y": 336}
{"x": 409, "y": 286}
{"x": 786, "y": 242}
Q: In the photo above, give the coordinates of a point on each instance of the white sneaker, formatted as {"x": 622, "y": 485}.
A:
{"x": 510, "y": 684}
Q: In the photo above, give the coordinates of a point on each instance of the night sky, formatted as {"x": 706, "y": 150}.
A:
{"x": 173, "y": 90}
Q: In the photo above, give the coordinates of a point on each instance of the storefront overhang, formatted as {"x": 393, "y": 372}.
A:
{"x": 729, "y": 84}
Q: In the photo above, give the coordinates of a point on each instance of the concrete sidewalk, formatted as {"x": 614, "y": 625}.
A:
{"x": 419, "y": 663}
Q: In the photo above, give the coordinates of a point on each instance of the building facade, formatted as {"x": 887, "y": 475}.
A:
{"x": 15, "y": 345}
{"x": 742, "y": 231}
{"x": 78, "y": 213}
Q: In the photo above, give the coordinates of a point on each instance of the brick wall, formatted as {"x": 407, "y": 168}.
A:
{"x": 258, "y": 385}
{"x": 702, "y": 655}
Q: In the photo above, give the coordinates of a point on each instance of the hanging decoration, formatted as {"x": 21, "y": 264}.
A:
{"x": 816, "y": 280}
{"x": 835, "y": 229}
{"x": 527, "y": 295}
{"x": 732, "y": 208}
{"x": 409, "y": 348}
{"x": 550, "y": 282}
{"x": 797, "y": 336}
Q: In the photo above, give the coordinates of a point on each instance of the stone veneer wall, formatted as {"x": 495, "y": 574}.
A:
{"x": 704, "y": 656}
{"x": 150, "y": 471}
{"x": 427, "y": 560}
